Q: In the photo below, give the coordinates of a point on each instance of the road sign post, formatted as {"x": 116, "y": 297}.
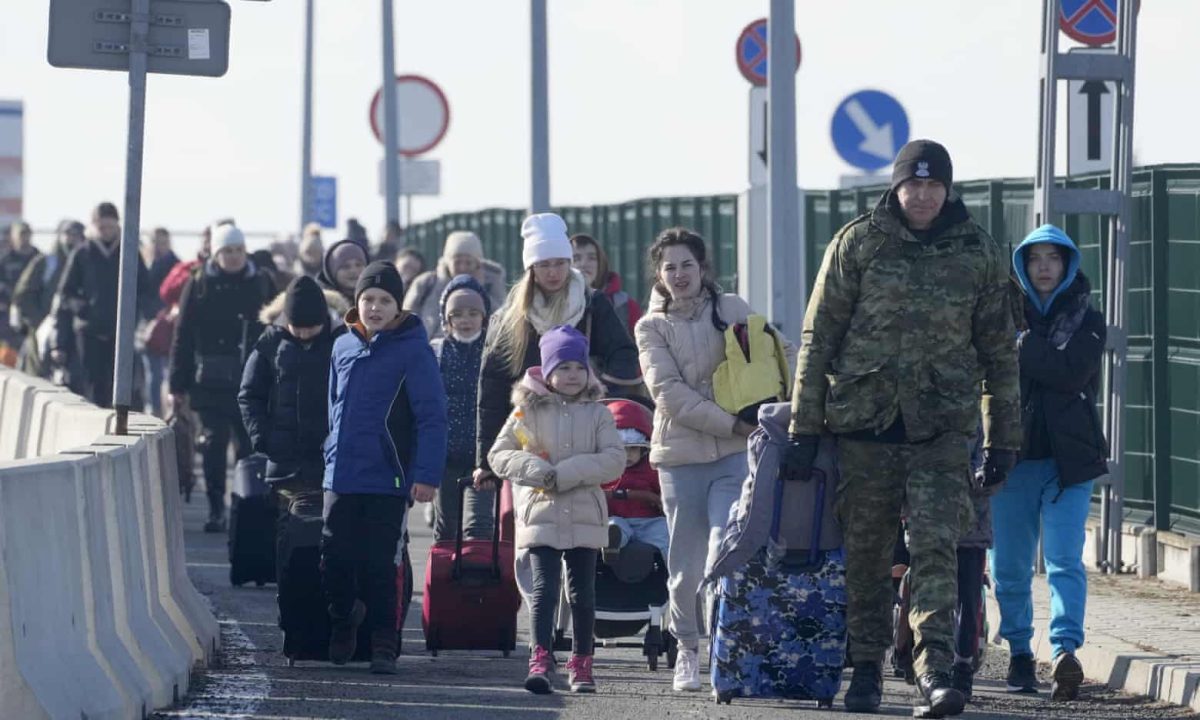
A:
{"x": 868, "y": 129}
{"x": 180, "y": 37}
{"x": 1091, "y": 105}
{"x": 788, "y": 294}
{"x": 539, "y": 115}
{"x": 758, "y": 122}
{"x": 391, "y": 117}
{"x": 306, "y": 127}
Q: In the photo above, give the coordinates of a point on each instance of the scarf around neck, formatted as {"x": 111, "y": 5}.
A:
{"x": 539, "y": 311}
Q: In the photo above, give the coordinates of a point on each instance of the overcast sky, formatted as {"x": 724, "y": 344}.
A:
{"x": 645, "y": 101}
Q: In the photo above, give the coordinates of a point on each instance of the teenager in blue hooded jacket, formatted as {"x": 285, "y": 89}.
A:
{"x": 386, "y": 445}
{"x": 1063, "y": 450}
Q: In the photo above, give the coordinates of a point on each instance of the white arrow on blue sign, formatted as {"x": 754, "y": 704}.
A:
{"x": 324, "y": 200}
{"x": 869, "y": 128}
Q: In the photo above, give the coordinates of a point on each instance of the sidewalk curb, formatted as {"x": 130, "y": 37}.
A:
{"x": 1118, "y": 663}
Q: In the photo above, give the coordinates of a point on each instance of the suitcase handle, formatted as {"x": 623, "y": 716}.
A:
{"x": 456, "y": 570}
{"x": 814, "y": 543}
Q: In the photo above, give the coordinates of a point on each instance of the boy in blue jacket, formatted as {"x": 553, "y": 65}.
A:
{"x": 386, "y": 445}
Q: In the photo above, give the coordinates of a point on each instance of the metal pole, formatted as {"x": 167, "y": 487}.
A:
{"x": 1116, "y": 306}
{"x": 1043, "y": 180}
{"x": 391, "y": 119}
{"x": 408, "y": 221}
{"x": 127, "y": 283}
{"x": 787, "y": 277}
{"x": 306, "y": 150}
{"x": 539, "y": 160}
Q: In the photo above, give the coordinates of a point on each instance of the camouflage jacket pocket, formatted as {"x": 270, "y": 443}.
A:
{"x": 856, "y": 398}
{"x": 951, "y": 400}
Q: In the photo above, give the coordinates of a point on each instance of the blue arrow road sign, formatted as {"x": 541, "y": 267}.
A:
{"x": 324, "y": 201}
{"x": 869, "y": 128}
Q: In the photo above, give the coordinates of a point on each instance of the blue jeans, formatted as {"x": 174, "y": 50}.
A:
{"x": 1032, "y": 495}
{"x": 652, "y": 531}
{"x": 697, "y": 499}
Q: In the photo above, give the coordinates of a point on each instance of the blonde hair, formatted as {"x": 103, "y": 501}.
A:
{"x": 512, "y": 332}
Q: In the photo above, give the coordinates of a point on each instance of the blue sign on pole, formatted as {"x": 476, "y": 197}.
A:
{"x": 1091, "y": 22}
{"x": 324, "y": 201}
{"x": 869, "y": 128}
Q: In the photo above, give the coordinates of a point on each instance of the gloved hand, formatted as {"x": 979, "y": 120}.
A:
{"x": 997, "y": 464}
{"x": 798, "y": 457}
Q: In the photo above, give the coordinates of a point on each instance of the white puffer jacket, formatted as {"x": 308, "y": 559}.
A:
{"x": 577, "y": 440}
{"x": 679, "y": 351}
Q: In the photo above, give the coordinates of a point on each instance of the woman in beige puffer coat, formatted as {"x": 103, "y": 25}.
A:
{"x": 557, "y": 448}
{"x": 698, "y": 448}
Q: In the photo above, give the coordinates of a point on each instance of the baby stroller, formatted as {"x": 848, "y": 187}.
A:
{"x": 631, "y": 594}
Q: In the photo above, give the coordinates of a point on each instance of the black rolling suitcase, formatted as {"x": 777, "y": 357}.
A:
{"x": 252, "y": 517}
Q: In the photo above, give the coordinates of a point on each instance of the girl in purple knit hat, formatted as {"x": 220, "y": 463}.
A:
{"x": 557, "y": 448}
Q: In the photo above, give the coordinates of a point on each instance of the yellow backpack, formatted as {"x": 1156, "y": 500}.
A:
{"x": 755, "y": 370}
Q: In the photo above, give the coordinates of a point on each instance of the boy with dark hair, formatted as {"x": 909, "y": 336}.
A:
{"x": 386, "y": 446}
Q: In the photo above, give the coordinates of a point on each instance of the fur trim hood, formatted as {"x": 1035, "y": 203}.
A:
{"x": 272, "y": 312}
{"x": 532, "y": 390}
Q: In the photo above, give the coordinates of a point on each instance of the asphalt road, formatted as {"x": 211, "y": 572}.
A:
{"x": 253, "y": 680}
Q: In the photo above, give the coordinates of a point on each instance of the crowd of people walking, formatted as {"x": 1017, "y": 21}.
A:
{"x": 957, "y": 382}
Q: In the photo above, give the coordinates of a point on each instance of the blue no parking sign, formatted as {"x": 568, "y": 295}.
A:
{"x": 869, "y": 128}
{"x": 1092, "y": 22}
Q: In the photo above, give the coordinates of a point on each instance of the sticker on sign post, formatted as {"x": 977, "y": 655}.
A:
{"x": 198, "y": 47}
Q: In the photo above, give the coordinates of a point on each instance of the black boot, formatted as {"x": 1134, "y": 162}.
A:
{"x": 941, "y": 697}
{"x": 216, "y": 519}
{"x": 383, "y": 651}
{"x": 962, "y": 677}
{"x": 1022, "y": 674}
{"x": 1068, "y": 676}
{"x": 866, "y": 688}
{"x": 343, "y": 638}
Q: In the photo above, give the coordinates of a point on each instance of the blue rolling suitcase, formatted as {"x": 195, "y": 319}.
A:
{"x": 779, "y": 623}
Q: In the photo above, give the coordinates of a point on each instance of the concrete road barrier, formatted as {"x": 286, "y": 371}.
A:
{"x": 97, "y": 616}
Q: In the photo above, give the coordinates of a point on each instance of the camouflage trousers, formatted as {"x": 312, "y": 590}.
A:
{"x": 928, "y": 482}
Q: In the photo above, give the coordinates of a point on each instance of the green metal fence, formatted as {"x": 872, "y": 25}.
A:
{"x": 1163, "y": 406}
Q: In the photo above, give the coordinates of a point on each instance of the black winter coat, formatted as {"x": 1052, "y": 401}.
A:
{"x": 1059, "y": 385}
{"x": 612, "y": 350}
{"x": 217, "y": 327}
{"x": 284, "y": 401}
{"x": 87, "y": 294}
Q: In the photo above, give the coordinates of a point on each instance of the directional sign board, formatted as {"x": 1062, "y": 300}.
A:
{"x": 751, "y": 52}
{"x": 324, "y": 201}
{"x": 1090, "y": 114}
{"x": 12, "y": 129}
{"x": 758, "y": 136}
{"x": 869, "y": 128}
{"x": 1091, "y": 22}
{"x": 187, "y": 37}
{"x": 423, "y": 111}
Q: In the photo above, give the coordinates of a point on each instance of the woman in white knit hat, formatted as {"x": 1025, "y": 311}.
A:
{"x": 461, "y": 255}
{"x": 551, "y": 293}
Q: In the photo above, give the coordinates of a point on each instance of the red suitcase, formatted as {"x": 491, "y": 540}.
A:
{"x": 471, "y": 599}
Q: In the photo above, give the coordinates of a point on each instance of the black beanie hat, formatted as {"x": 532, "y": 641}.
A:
{"x": 923, "y": 159}
{"x": 383, "y": 275}
{"x": 304, "y": 303}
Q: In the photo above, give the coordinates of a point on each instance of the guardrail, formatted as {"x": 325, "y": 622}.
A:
{"x": 98, "y": 618}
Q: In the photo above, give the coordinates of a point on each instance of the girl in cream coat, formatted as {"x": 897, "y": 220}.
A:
{"x": 557, "y": 448}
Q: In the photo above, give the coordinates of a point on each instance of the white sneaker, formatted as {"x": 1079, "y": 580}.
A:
{"x": 687, "y": 671}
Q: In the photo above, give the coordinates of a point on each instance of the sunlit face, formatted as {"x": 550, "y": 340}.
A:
{"x": 679, "y": 272}
{"x": 587, "y": 261}
{"x": 550, "y": 276}
{"x": 463, "y": 264}
{"x": 465, "y": 322}
{"x": 347, "y": 275}
{"x": 1045, "y": 267}
{"x": 569, "y": 378}
{"x": 231, "y": 259}
{"x": 304, "y": 334}
{"x": 377, "y": 309}
{"x": 409, "y": 267}
{"x": 109, "y": 229}
{"x": 921, "y": 201}
{"x": 21, "y": 237}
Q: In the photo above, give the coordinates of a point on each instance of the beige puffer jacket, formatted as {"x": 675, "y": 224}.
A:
{"x": 577, "y": 441}
{"x": 679, "y": 351}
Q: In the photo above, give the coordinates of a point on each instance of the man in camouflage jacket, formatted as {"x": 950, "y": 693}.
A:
{"x": 907, "y": 332}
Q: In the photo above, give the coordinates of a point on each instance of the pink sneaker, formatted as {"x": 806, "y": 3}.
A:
{"x": 541, "y": 666}
{"x": 579, "y": 674}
